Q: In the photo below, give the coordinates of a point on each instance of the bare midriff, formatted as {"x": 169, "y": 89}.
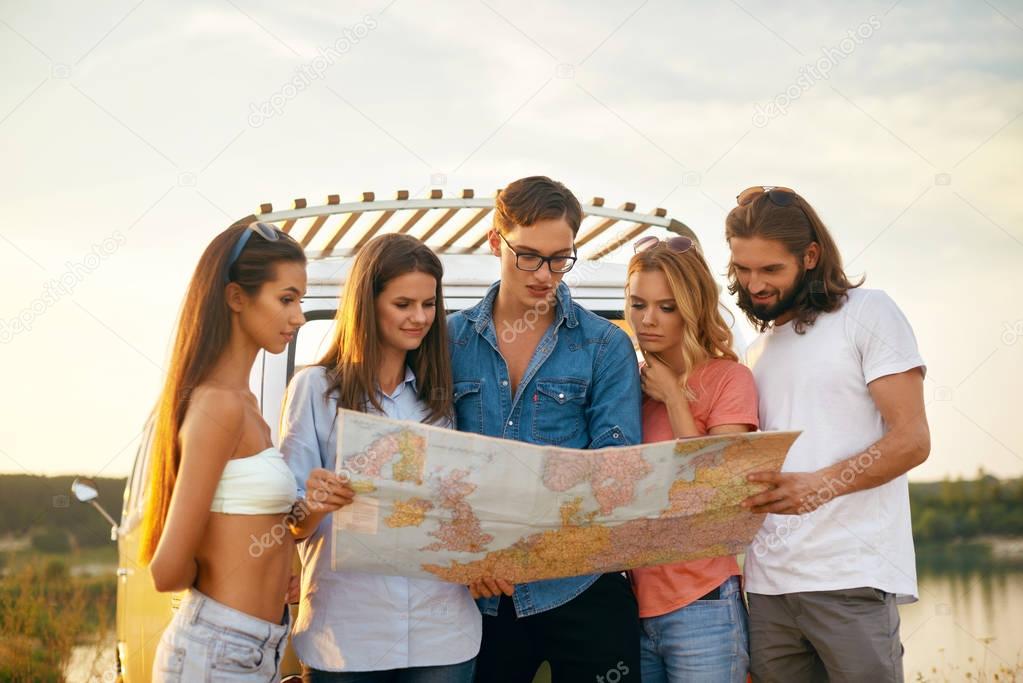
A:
{"x": 245, "y": 561}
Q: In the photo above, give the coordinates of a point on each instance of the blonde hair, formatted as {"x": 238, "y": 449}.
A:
{"x": 705, "y": 335}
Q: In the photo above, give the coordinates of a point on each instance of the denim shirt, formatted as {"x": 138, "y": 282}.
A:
{"x": 580, "y": 390}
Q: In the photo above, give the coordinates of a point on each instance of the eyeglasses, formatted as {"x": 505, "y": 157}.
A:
{"x": 264, "y": 230}
{"x": 534, "y": 262}
{"x": 680, "y": 243}
{"x": 779, "y": 196}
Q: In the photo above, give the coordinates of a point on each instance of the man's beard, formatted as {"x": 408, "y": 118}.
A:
{"x": 770, "y": 312}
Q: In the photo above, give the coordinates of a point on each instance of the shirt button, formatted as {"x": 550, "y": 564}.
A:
{"x": 504, "y": 383}
{"x": 617, "y": 435}
{"x": 561, "y": 396}
{"x": 511, "y": 422}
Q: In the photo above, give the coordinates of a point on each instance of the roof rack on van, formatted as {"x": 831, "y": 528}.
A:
{"x": 445, "y": 233}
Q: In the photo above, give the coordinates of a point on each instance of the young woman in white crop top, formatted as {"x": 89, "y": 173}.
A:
{"x": 389, "y": 356}
{"x": 216, "y": 482}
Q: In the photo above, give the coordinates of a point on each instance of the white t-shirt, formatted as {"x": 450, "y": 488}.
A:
{"x": 817, "y": 382}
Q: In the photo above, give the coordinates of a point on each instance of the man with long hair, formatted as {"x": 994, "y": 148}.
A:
{"x": 840, "y": 363}
{"x": 532, "y": 365}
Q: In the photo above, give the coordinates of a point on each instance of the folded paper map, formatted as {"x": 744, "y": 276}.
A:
{"x": 438, "y": 503}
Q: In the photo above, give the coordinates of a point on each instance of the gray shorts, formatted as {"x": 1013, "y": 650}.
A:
{"x": 841, "y": 635}
{"x": 208, "y": 641}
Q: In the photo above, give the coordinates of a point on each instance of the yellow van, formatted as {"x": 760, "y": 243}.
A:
{"x": 455, "y": 228}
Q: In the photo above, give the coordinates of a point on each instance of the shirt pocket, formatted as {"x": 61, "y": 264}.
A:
{"x": 468, "y": 400}
{"x": 559, "y": 409}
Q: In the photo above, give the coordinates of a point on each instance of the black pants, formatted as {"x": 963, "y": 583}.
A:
{"x": 591, "y": 639}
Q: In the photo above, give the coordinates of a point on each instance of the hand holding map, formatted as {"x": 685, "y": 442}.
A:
{"x": 437, "y": 503}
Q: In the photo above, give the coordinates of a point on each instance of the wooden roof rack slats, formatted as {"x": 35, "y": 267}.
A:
{"x": 469, "y": 225}
{"x": 473, "y": 230}
{"x": 289, "y": 224}
{"x": 624, "y": 237}
{"x": 328, "y": 249}
{"x": 318, "y": 223}
{"x": 379, "y": 223}
{"x": 445, "y": 217}
{"x": 581, "y": 242}
{"x": 414, "y": 218}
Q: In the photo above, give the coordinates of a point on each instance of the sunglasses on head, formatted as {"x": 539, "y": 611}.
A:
{"x": 264, "y": 230}
{"x": 779, "y": 196}
{"x": 679, "y": 243}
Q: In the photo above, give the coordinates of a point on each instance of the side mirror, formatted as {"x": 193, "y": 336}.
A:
{"x": 84, "y": 490}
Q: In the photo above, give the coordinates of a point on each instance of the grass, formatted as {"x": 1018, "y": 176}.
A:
{"x": 947, "y": 672}
{"x": 45, "y": 612}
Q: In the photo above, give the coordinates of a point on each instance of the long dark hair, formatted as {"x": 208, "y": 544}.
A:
{"x": 353, "y": 359}
{"x": 203, "y": 332}
{"x": 820, "y": 290}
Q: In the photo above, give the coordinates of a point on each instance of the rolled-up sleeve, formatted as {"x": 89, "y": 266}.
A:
{"x": 614, "y": 413}
{"x": 305, "y": 407}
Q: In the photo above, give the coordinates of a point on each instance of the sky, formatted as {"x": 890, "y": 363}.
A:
{"x": 132, "y": 132}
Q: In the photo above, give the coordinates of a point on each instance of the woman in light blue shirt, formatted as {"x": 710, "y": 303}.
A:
{"x": 389, "y": 357}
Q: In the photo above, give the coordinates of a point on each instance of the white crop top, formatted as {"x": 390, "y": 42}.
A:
{"x": 260, "y": 484}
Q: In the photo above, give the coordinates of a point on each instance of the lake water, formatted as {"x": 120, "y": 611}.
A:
{"x": 964, "y": 623}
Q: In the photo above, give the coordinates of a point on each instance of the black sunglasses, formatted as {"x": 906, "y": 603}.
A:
{"x": 264, "y": 230}
{"x": 680, "y": 243}
{"x": 779, "y": 196}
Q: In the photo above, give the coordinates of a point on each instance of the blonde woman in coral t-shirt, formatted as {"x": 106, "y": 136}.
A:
{"x": 694, "y": 621}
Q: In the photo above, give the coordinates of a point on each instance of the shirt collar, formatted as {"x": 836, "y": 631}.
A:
{"x": 483, "y": 312}
{"x": 410, "y": 379}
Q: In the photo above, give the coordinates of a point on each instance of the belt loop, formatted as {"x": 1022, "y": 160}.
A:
{"x": 195, "y": 602}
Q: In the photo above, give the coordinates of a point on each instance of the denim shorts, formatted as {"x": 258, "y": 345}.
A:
{"x": 210, "y": 642}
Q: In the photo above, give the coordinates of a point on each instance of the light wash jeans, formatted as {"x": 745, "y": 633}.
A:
{"x": 209, "y": 642}
{"x": 707, "y": 640}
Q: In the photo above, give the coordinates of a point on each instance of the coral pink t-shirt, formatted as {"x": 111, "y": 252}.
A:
{"x": 725, "y": 394}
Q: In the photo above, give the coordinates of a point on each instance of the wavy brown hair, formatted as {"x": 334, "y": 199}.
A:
{"x": 705, "y": 334}
{"x": 203, "y": 333}
{"x": 353, "y": 360}
{"x": 820, "y": 290}
{"x": 528, "y": 200}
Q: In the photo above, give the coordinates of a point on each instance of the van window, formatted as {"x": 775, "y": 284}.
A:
{"x": 313, "y": 339}
{"x": 139, "y": 478}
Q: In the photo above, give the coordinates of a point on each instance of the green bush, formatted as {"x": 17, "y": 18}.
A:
{"x": 51, "y": 541}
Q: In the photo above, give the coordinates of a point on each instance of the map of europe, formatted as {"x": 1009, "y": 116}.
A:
{"x": 437, "y": 503}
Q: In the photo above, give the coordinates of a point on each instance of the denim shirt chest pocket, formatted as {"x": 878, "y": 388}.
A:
{"x": 559, "y": 409}
{"x": 468, "y": 400}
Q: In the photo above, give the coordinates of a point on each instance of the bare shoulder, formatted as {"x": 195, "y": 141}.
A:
{"x": 215, "y": 413}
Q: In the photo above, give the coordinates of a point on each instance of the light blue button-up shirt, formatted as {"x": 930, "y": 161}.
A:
{"x": 581, "y": 389}
{"x": 352, "y": 621}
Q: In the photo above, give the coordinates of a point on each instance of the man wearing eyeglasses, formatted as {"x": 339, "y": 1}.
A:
{"x": 530, "y": 364}
{"x": 840, "y": 363}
